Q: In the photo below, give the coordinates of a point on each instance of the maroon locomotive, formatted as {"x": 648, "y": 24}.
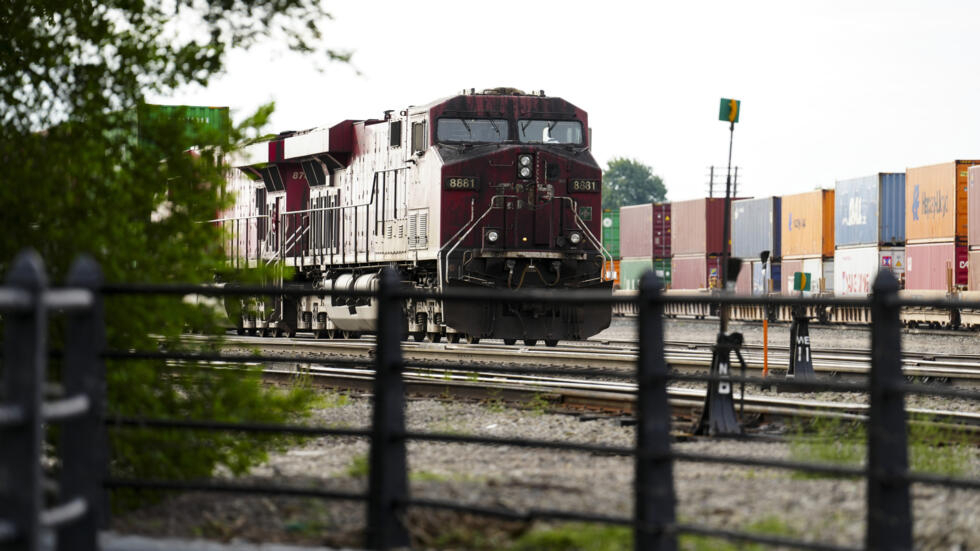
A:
{"x": 493, "y": 190}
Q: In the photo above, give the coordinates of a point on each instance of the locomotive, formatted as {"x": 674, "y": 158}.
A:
{"x": 494, "y": 189}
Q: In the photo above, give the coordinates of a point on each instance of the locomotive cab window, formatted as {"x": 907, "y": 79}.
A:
{"x": 549, "y": 131}
{"x": 418, "y": 137}
{"x": 472, "y": 130}
{"x": 395, "y": 130}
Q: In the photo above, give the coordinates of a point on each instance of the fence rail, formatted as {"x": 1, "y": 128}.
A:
{"x": 80, "y": 507}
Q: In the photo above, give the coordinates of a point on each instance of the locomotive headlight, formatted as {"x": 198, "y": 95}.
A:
{"x": 575, "y": 238}
{"x": 524, "y": 160}
{"x": 493, "y": 236}
{"x": 525, "y": 172}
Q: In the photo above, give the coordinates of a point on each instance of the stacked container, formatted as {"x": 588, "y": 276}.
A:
{"x": 610, "y": 241}
{"x": 696, "y": 229}
{"x": 644, "y": 243}
{"x": 869, "y": 231}
{"x": 936, "y": 226}
{"x": 756, "y": 228}
{"x": 807, "y": 238}
{"x": 973, "y": 227}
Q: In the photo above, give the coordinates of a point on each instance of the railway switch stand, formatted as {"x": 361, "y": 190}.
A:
{"x": 718, "y": 416}
{"x": 800, "y": 358}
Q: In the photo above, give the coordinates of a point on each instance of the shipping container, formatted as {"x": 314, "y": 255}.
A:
{"x": 636, "y": 231}
{"x": 973, "y": 208}
{"x": 694, "y": 271}
{"x": 808, "y": 224}
{"x": 191, "y": 117}
{"x": 936, "y": 202}
{"x": 661, "y": 230}
{"x": 927, "y": 265}
{"x": 743, "y": 285}
{"x": 756, "y": 227}
{"x": 819, "y": 271}
{"x": 697, "y": 226}
{"x": 631, "y": 269}
{"x": 760, "y": 284}
{"x": 870, "y": 210}
{"x": 610, "y": 232}
{"x": 855, "y": 268}
{"x": 973, "y": 271}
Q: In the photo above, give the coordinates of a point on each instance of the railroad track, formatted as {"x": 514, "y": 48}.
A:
{"x": 579, "y": 395}
{"x": 960, "y": 369}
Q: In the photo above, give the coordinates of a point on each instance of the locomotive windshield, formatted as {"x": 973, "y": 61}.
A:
{"x": 472, "y": 130}
{"x": 545, "y": 131}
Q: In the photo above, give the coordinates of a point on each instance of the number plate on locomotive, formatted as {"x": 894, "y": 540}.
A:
{"x": 591, "y": 186}
{"x": 459, "y": 182}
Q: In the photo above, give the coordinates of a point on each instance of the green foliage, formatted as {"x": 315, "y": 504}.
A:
{"x": 630, "y": 182}
{"x": 934, "y": 446}
{"x": 78, "y": 178}
{"x": 359, "y": 467}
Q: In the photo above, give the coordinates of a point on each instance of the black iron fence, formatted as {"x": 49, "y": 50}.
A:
{"x": 26, "y": 407}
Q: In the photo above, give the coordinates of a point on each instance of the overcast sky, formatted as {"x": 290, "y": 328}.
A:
{"x": 829, "y": 90}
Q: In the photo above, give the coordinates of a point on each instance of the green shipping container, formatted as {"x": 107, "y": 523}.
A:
{"x": 610, "y": 231}
{"x": 631, "y": 269}
{"x": 214, "y": 118}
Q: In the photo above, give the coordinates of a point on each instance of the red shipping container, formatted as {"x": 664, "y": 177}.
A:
{"x": 635, "y": 231}
{"x": 693, "y": 272}
{"x": 973, "y": 206}
{"x": 926, "y": 265}
{"x": 973, "y": 279}
{"x": 661, "y": 230}
{"x": 696, "y": 226}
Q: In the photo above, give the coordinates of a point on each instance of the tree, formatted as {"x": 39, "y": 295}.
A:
{"x": 630, "y": 182}
{"x": 77, "y": 179}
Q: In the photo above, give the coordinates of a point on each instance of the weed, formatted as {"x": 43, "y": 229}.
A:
{"x": 330, "y": 400}
{"x": 359, "y": 467}
{"x": 538, "y": 404}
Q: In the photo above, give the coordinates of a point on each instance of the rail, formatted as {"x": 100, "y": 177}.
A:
{"x": 654, "y": 520}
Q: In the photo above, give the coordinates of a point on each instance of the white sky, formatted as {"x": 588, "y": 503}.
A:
{"x": 829, "y": 90}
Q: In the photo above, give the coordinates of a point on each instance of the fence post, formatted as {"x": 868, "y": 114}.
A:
{"x": 889, "y": 509}
{"x": 83, "y": 439}
{"x": 388, "y": 480}
{"x": 24, "y": 366}
{"x": 654, "y": 499}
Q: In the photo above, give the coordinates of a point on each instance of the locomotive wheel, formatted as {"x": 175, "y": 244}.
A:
{"x": 551, "y": 342}
{"x": 320, "y": 334}
{"x": 435, "y": 337}
{"x": 530, "y": 342}
{"x": 470, "y": 339}
{"x": 452, "y": 337}
{"x": 267, "y": 332}
{"x": 331, "y": 333}
{"x": 240, "y": 331}
{"x": 278, "y": 332}
{"x": 347, "y": 334}
{"x": 252, "y": 332}
{"x": 418, "y": 336}
{"x": 510, "y": 342}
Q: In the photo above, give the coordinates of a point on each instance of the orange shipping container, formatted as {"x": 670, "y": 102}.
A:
{"x": 808, "y": 224}
{"x": 611, "y": 272}
{"x": 936, "y": 202}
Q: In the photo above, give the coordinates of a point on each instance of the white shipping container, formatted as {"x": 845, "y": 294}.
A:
{"x": 814, "y": 267}
{"x": 855, "y": 268}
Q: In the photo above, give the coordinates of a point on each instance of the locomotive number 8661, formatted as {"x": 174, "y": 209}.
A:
{"x": 494, "y": 190}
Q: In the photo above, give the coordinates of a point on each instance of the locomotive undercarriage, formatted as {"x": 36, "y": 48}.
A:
{"x": 329, "y": 316}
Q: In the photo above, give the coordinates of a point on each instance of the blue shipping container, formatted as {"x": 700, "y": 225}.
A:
{"x": 870, "y": 210}
{"x": 756, "y": 227}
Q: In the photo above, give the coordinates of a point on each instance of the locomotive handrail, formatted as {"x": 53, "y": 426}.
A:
{"x": 582, "y": 226}
{"x": 469, "y": 228}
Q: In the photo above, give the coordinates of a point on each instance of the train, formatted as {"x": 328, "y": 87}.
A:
{"x": 492, "y": 189}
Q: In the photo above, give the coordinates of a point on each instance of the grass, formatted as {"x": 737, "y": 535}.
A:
{"x": 598, "y": 537}
{"x": 933, "y": 447}
{"x": 359, "y": 466}
{"x": 330, "y": 400}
